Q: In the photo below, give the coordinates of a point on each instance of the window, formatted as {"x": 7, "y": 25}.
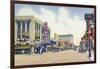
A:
{"x": 18, "y": 29}
{"x": 18, "y": 36}
{"x": 23, "y": 27}
{"x": 28, "y": 25}
{"x": 27, "y": 29}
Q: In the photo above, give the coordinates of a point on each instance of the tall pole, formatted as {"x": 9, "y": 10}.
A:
{"x": 89, "y": 32}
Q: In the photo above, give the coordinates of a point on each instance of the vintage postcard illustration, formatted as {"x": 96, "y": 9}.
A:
{"x": 52, "y": 34}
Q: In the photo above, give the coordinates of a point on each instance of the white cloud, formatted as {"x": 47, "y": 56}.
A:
{"x": 26, "y": 11}
{"x": 61, "y": 23}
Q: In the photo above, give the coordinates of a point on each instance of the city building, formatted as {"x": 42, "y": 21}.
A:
{"x": 90, "y": 26}
{"x": 90, "y": 32}
{"x": 28, "y": 29}
{"x": 89, "y": 18}
{"x": 65, "y": 40}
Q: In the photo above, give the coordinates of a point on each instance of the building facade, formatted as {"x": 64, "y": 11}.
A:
{"x": 65, "y": 40}
{"x": 28, "y": 29}
{"x": 90, "y": 26}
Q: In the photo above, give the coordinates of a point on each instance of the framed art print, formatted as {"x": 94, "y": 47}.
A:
{"x": 51, "y": 34}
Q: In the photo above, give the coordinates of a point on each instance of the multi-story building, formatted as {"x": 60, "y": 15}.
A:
{"x": 28, "y": 28}
{"x": 90, "y": 21}
{"x": 90, "y": 26}
{"x": 66, "y": 40}
{"x": 89, "y": 18}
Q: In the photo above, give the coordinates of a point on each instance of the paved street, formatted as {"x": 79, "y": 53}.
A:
{"x": 50, "y": 57}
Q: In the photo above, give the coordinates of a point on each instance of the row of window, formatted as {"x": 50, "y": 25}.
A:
{"x": 22, "y": 29}
{"x": 37, "y": 31}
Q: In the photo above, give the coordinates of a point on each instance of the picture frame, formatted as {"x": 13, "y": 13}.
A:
{"x": 73, "y": 10}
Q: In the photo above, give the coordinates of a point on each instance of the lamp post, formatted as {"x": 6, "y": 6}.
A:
{"x": 89, "y": 32}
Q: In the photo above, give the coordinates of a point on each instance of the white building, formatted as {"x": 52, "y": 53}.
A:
{"x": 27, "y": 28}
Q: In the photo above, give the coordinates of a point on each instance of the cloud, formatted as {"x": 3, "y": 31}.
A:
{"x": 26, "y": 11}
{"x": 62, "y": 22}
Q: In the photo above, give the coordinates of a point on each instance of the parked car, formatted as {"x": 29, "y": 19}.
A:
{"x": 40, "y": 49}
{"x": 43, "y": 47}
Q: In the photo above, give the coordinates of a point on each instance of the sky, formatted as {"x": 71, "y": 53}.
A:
{"x": 61, "y": 20}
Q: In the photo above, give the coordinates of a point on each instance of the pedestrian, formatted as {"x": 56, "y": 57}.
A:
{"x": 90, "y": 46}
{"x": 82, "y": 46}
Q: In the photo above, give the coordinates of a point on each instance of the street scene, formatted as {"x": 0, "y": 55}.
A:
{"x": 51, "y": 34}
